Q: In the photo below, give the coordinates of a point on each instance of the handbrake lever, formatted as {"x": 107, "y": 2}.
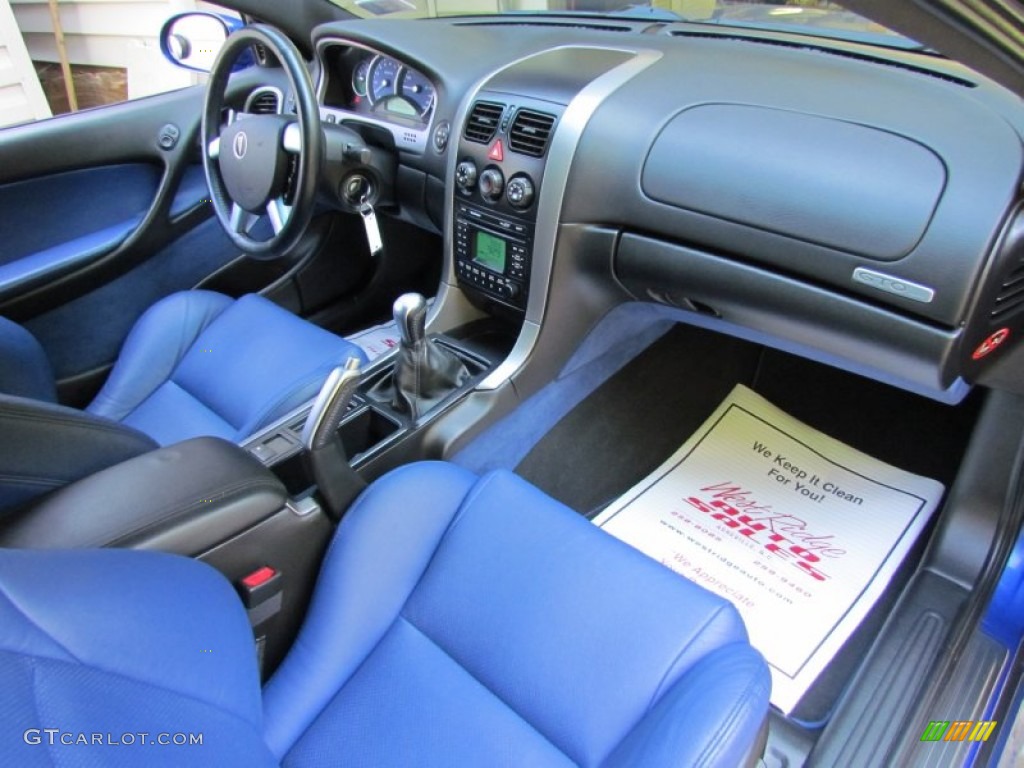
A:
{"x": 325, "y": 454}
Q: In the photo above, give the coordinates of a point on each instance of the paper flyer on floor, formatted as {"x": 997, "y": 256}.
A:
{"x": 799, "y": 531}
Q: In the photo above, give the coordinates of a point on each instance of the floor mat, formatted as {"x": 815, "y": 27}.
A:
{"x": 640, "y": 415}
{"x": 799, "y": 531}
{"x": 629, "y": 424}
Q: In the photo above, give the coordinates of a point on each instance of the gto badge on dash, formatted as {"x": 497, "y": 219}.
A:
{"x": 894, "y": 285}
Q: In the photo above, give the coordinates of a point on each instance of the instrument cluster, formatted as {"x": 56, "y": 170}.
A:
{"x": 375, "y": 85}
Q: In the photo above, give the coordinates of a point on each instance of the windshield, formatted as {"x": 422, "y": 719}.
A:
{"x": 816, "y": 17}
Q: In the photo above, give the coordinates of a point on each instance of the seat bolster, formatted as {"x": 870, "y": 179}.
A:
{"x": 26, "y": 370}
{"x": 158, "y": 619}
{"x": 391, "y": 532}
{"x": 258, "y": 361}
{"x": 154, "y": 347}
{"x": 47, "y": 446}
{"x": 710, "y": 717}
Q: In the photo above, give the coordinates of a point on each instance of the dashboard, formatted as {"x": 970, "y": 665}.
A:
{"x": 728, "y": 175}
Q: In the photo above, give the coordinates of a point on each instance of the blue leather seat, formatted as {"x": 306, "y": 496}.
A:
{"x": 457, "y": 621}
{"x": 196, "y": 363}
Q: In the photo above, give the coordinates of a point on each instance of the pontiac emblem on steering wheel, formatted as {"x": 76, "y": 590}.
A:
{"x": 240, "y": 144}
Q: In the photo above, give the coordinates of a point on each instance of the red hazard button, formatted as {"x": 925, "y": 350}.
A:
{"x": 991, "y": 343}
{"x": 497, "y": 153}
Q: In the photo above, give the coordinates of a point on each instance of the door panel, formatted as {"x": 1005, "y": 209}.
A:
{"x": 99, "y": 221}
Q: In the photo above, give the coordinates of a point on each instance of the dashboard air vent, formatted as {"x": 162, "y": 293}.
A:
{"x": 483, "y": 120}
{"x": 530, "y": 132}
{"x": 264, "y": 101}
{"x": 1011, "y": 293}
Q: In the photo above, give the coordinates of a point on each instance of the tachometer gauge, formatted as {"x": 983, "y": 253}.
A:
{"x": 384, "y": 74}
{"x": 361, "y": 78}
{"x": 417, "y": 89}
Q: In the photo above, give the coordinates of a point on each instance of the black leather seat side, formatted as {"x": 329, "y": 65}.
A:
{"x": 184, "y": 498}
{"x": 44, "y": 446}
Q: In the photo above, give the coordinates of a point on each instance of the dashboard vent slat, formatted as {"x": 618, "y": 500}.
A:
{"x": 530, "y": 132}
{"x": 1011, "y": 292}
{"x": 483, "y": 120}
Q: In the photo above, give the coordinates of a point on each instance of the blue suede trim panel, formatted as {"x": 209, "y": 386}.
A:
{"x": 88, "y": 332}
{"x": 17, "y": 275}
{"x": 192, "y": 191}
{"x": 39, "y": 214}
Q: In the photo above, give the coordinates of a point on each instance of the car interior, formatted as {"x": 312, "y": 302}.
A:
{"x": 380, "y": 317}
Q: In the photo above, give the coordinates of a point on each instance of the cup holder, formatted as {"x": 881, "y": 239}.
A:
{"x": 368, "y": 428}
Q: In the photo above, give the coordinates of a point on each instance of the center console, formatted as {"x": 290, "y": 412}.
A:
{"x": 492, "y": 254}
{"x": 498, "y": 178}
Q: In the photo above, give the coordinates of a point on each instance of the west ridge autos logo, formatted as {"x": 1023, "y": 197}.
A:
{"x": 959, "y": 730}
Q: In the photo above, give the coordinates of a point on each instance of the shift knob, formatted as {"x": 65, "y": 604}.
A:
{"x": 410, "y": 311}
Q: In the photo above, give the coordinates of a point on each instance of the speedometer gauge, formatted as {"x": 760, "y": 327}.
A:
{"x": 418, "y": 90}
{"x": 384, "y": 73}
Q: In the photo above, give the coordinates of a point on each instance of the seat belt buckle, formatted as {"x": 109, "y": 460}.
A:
{"x": 262, "y": 592}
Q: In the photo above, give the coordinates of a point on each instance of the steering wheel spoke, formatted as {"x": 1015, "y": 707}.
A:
{"x": 241, "y": 220}
{"x": 291, "y": 140}
{"x": 278, "y": 211}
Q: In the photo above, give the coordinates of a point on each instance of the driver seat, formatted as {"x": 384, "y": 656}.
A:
{"x": 196, "y": 363}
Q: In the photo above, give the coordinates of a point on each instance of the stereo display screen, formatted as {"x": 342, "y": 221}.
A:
{"x": 489, "y": 251}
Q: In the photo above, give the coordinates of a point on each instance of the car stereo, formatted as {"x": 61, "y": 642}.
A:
{"x": 492, "y": 253}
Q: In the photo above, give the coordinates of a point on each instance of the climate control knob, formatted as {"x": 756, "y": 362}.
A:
{"x": 492, "y": 184}
{"x": 519, "y": 192}
{"x": 465, "y": 174}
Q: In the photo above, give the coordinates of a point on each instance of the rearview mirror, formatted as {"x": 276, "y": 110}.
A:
{"x": 192, "y": 40}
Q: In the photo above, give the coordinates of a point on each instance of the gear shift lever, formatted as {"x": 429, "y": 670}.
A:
{"x": 410, "y": 311}
{"x": 325, "y": 454}
{"x": 425, "y": 372}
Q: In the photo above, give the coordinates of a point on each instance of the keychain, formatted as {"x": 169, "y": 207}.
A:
{"x": 372, "y": 227}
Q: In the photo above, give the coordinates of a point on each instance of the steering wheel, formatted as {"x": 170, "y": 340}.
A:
{"x": 262, "y": 165}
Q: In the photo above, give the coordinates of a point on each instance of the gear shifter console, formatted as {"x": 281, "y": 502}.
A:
{"x": 372, "y": 422}
{"x": 425, "y": 372}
